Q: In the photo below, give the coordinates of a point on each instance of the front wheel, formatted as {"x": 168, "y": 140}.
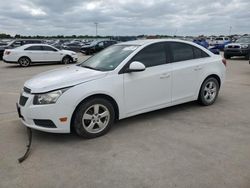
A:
{"x": 66, "y": 60}
{"x": 209, "y": 91}
{"x": 94, "y": 118}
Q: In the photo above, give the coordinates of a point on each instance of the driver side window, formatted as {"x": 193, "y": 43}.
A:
{"x": 152, "y": 55}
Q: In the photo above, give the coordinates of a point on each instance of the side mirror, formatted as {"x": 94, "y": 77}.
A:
{"x": 136, "y": 66}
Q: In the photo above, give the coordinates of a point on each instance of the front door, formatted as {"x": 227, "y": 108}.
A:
{"x": 152, "y": 87}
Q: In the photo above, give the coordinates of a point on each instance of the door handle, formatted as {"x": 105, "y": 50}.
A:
{"x": 197, "y": 68}
{"x": 165, "y": 75}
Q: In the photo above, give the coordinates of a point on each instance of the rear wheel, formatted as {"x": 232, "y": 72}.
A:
{"x": 226, "y": 56}
{"x": 247, "y": 57}
{"x": 24, "y": 62}
{"x": 209, "y": 91}
{"x": 94, "y": 118}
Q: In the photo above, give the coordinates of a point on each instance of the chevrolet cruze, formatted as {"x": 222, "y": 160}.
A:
{"x": 123, "y": 80}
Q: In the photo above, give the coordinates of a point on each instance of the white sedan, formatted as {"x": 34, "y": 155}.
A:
{"x": 123, "y": 80}
{"x": 38, "y": 53}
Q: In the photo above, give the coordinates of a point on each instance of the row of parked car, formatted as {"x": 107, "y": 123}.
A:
{"x": 239, "y": 47}
{"x": 27, "y": 51}
{"x": 87, "y": 47}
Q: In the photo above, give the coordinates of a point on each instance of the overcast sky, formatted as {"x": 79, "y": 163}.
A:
{"x": 124, "y": 17}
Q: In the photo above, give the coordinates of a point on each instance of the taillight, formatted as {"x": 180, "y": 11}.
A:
{"x": 6, "y": 52}
{"x": 224, "y": 62}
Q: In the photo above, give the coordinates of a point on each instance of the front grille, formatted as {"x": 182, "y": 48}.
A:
{"x": 233, "y": 46}
{"x": 44, "y": 123}
{"x": 23, "y": 100}
{"x": 26, "y": 90}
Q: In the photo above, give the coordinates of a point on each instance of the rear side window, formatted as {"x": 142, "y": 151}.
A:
{"x": 48, "y": 48}
{"x": 152, "y": 55}
{"x": 34, "y": 48}
{"x": 181, "y": 51}
{"x": 198, "y": 53}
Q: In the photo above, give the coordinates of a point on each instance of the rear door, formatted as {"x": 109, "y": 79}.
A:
{"x": 186, "y": 71}
{"x": 35, "y": 53}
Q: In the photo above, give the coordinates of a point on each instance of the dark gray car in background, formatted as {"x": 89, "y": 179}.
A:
{"x": 17, "y": 43}
{"x": 240, "y": 47}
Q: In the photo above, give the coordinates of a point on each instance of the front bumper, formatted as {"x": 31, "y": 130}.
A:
{"x": 29, "y": 113}
{"x": 75, "y": 59}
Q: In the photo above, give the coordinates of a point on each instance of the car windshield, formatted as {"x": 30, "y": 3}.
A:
{"x": 243, "y": 40}
{"x": 110, "y": 58}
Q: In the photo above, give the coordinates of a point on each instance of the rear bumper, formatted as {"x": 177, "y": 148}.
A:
{"x": 6, "y": 61}
{"x": 237, "y": 52}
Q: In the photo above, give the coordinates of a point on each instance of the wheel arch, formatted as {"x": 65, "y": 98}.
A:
{"x": 209, "y": 76}
{"x": 25, "y": 57}
{"x": 105, "y": 96}
{"x": 213, "y": 76}
{"x": 67, "y": 55}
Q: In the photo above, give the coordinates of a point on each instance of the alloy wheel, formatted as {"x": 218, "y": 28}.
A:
{"x": 210, "y": 91}
{"x": 96, "y": 118}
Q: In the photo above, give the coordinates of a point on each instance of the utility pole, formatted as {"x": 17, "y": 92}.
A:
{"x": 230, "y": 29}
{"x": 96, "y": 25}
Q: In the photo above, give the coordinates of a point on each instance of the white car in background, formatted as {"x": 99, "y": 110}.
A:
{"x": 220, "y": 40}
{"x": 123, "y": 80}
{"x": 38, "y": 53}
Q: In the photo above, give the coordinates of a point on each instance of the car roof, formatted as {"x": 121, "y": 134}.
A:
{"x": 29, "y": 45}
{"x": 151, "y": 41}
{"x": 146, "y": 42}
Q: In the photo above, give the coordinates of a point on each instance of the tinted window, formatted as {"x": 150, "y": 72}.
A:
{"x": 101, "y": 44}
{"x": 31, "y": 41}
{"x": 34, "y": 48}
{"x": 47, "y": 48}
{"x": 152, "y": 55}
{"x": 17, "y": 43}
{"x": 198, "y": 53}
{"x": 219, "y": 38}
{"x": 181, "y": 52}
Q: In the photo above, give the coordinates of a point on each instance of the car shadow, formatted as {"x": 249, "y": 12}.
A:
{"x": 121, "y": 124}
{"x": 37, "y": 65}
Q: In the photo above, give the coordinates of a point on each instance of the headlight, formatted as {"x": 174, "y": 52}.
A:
{"x": 48, "y": 98}
{"x": 244, "y": 46}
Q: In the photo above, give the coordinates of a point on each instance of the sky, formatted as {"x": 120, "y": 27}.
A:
{"x": 124, "y": 17}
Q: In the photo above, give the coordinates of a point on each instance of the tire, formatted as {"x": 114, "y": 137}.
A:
{"x": 66, "y": 60}
{"x": 24, "y": 61}
{"x": 209, "y": 91}
{"x": 247, "y": 57}
{"x": 88, "y": 121}
{"x": 227, "y": 56}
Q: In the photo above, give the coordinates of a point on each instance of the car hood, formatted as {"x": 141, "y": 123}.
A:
{"x": 61, "y": 78}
